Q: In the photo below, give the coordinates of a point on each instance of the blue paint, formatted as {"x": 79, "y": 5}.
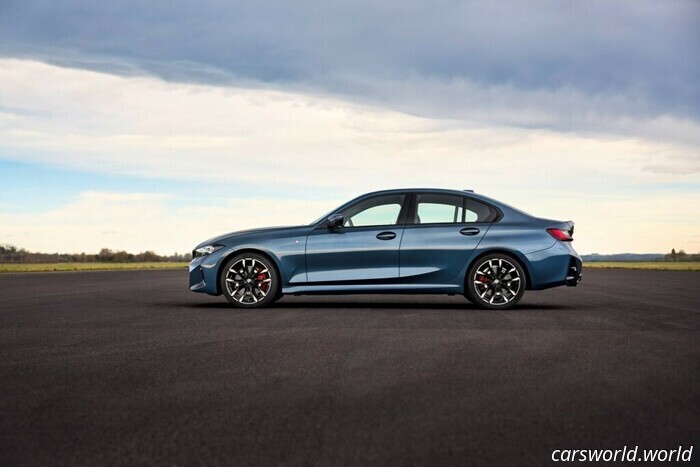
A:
{"x": 401, "y": 257}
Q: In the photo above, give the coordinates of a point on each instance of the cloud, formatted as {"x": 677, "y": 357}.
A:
{"x": 612, "y": 67}
{"x": 582, "y": 110}
{"x": 151, "y": 128}
{"x": 146, "y": 221}
{"x": 282, "y": 147}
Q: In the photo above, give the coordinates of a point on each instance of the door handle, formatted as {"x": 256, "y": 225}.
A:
{"x": 469, "y": 231}
{"x": 386, "y": 235}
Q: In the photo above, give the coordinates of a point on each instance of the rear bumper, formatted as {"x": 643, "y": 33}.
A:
{"x": 555, "y": 266}
{"x": 575, "y": 272}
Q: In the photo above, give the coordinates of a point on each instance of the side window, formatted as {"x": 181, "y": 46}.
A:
{"x": 438, "y": 209}
{"x": 474, "y": 211}
{"x": 382, "y": 210}
{"x": 449, "y": 209}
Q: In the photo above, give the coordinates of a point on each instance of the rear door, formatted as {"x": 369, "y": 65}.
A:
{"x": 441, "y": 233}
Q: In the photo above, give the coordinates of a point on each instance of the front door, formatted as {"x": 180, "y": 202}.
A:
{"x": 365, "y": 248}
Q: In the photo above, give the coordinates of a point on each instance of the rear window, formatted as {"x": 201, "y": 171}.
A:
{"x": 451, "y": 209}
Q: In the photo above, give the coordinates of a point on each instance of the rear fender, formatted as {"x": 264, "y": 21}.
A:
{"x": 522, "y": 259}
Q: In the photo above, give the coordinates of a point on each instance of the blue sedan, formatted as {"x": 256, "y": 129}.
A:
{"x": 397, "y": 241}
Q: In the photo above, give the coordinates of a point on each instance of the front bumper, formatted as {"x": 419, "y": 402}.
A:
{"x": 203, "y": 272}
{"x": 197, "y": 282}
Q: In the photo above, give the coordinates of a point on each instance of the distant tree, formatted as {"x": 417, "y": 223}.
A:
{"x": 148, "y": 256}
{"x": 11, "y": 254}
{"x": 121, "y": 257}
{"x": 105, "y": 254}
{"x": 7, "y": 249}
{"x": 673, "y": 255}
{"x": 682, "y": 256}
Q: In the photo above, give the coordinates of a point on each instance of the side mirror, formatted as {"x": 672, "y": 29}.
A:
{"x": 335, "y": 221}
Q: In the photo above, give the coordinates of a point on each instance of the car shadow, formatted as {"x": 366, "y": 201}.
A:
{"x": 369, "y": 305}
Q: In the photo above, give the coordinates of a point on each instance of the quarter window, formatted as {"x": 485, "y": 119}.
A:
{"x": 475, "y": 211}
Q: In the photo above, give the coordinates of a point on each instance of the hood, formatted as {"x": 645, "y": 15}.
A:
{"x": 258, "y": 231}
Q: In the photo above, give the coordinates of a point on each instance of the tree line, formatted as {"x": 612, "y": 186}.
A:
{"x": 681, "y": 256}
{"x": 12, "y": 254}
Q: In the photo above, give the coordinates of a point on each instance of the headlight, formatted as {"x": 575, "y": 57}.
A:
{"x": 205, "y": 250}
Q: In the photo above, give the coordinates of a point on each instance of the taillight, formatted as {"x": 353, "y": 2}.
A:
{"x": 561, "y": 235}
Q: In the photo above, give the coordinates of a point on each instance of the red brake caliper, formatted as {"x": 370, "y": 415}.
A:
{"x": 484, "y": 280}
{"x": 260, "y": 278}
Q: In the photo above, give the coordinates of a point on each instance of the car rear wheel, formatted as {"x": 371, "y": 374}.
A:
{"x": 249, "y": 280}
{"x": 496, "y": 281}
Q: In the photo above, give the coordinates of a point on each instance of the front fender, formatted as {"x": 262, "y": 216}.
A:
{"x": 288, "y": 255}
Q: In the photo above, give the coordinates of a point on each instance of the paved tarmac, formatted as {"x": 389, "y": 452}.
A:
{"x": 105, "y": 368}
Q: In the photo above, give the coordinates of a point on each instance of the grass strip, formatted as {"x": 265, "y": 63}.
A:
{"x": 646, "y": 265}
{"x": 59, "y": 267}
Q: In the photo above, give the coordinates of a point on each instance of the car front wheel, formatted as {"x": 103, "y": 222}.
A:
{"x": 249, "y": 280}
{"x": 496, "y": 281}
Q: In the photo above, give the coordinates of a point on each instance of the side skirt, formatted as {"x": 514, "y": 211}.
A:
{"x": 373, "y": 288}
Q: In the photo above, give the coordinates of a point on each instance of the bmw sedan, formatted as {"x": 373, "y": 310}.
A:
{"x": 415, "y": 241}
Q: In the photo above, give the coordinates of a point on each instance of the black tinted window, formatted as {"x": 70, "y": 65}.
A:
{"x": 475, "y": 211}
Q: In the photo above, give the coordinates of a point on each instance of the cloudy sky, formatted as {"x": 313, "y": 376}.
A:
{"x": 154, "y": 125}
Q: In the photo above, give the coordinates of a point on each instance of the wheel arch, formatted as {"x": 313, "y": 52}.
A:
{"x": 257, "y": 251}
{"x": 503, "y": 251}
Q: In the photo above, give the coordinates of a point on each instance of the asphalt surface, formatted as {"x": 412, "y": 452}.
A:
{"x": 104, "y": 368}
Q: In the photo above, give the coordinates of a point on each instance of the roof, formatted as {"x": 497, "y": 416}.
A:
{"x": 422, "y": 190}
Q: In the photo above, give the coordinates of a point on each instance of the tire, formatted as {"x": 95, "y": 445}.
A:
{"x": 249, "y": 280}
{"x": 496, "y": 282}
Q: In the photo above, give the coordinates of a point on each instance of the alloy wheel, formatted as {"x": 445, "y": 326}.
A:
{"x": 248, "y": 281}
{"x": 497, "y": 281}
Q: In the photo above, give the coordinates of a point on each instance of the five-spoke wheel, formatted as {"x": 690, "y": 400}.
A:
{"x": 496, "y": 281}
{"x": 249, "y": 280}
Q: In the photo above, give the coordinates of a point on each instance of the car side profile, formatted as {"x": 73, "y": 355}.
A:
{"x": 415, "y": 241}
